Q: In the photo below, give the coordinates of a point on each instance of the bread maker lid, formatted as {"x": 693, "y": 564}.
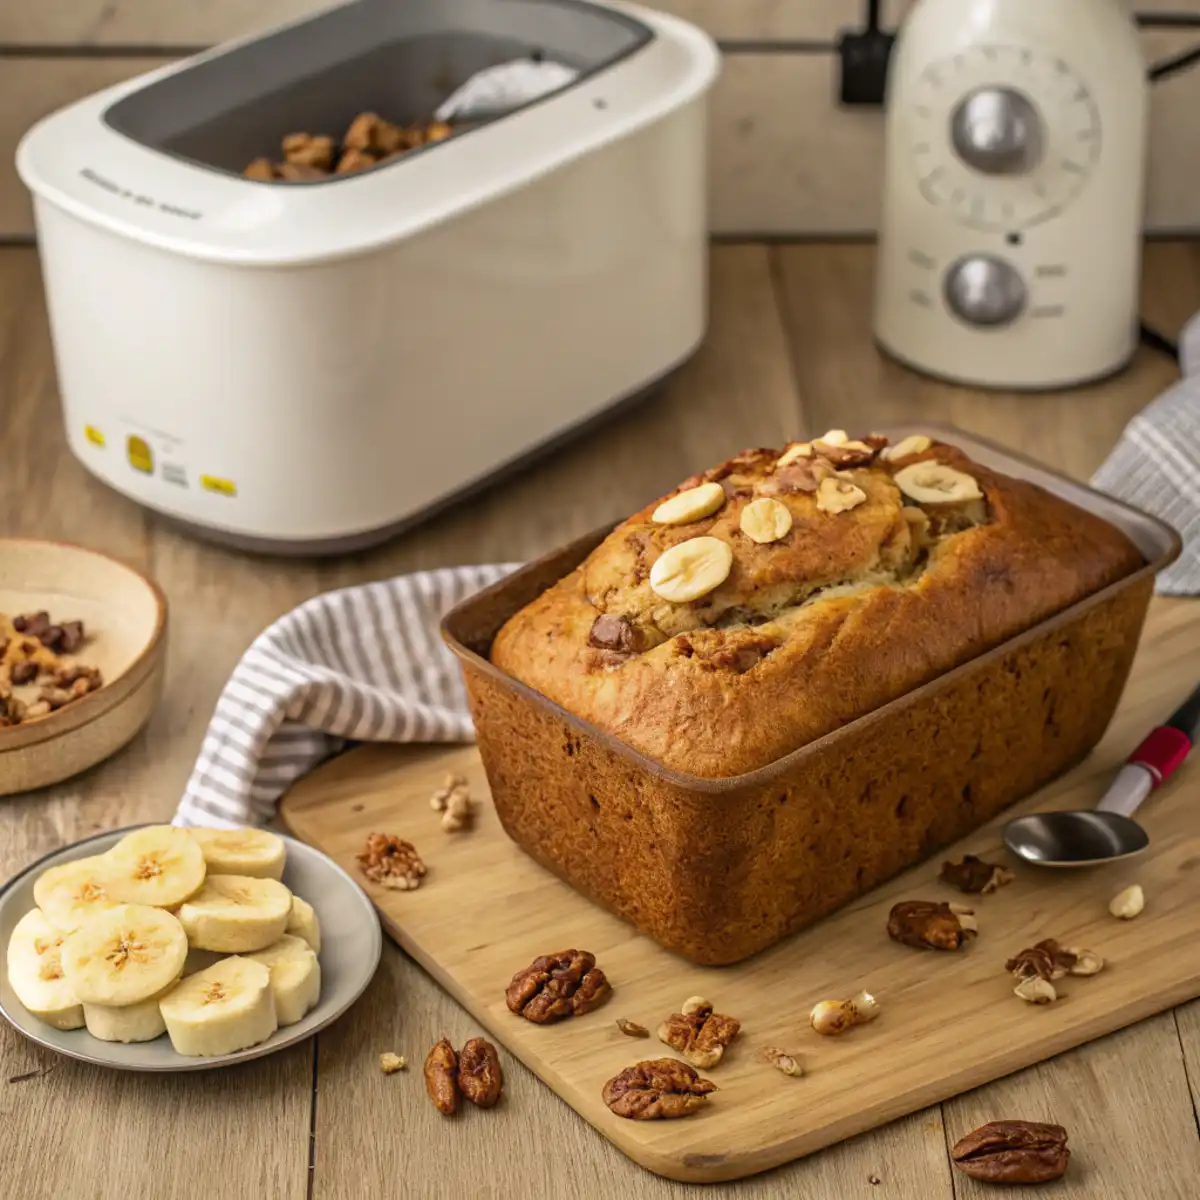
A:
{"x": 159, "y": 158}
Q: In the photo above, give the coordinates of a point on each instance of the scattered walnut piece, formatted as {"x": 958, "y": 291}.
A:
{"x": 556, "y": 986}
{"x": 831, "y": 1017}
{"x": 782, "y": 1061}
{"x": 452, "y": 783}
{"x": 1049, "y": 961}
{"x": 924, "y": 923}
{"x": 976, "y": 877}
{"x": 480, "y": 1078}
{"x": 657, "y": 1089}
{"x": 1036, "y": 990}
{"x": 698, "y": 1033}
{"x": 1013, "y": 1152}
{"x": 391, "y": 862}
{"x": 390, "y": 1063}
{"x": 1128, "y": 903}
{"x": 632, "y": 1028}
{"x": 441, "y": 1077}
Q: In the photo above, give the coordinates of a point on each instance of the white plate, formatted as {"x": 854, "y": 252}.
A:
{"x": 351, "y": 944}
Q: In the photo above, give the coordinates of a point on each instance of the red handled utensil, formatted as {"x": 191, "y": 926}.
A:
{"x": 1108, "y": 832}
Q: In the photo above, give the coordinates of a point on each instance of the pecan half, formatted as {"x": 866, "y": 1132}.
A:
{"x": 924, "y": 923}
{"x": 555, "y": 986}
{"x": 479, "y": 1076}
{"x": 1013, "y": 1152}
{"x": 700, "y": 1035}
{"x": 974, "y": 876}
{"x": 611, "y": 632}
{"x": 441, "y": 1077}
{"x": 659, "y": 1089}
{"x": 391, "y": 862}
{"x": 24, "y": 672}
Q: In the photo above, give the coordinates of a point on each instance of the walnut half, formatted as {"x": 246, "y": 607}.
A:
{"x": 659, "y": 1089}
{"x": 924, "y": 923}
{"x": 698, "y": 1033}
{"x": 556, "y": 986}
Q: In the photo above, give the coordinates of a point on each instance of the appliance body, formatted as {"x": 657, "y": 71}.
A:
{"x": 1010, "y": 240}
{"x": 305, "y": 367}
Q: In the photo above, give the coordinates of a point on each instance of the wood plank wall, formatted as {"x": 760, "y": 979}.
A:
{"x": 786, "y": 160}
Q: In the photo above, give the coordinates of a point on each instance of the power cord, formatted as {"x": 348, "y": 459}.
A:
{"x": 1164, "y": 69}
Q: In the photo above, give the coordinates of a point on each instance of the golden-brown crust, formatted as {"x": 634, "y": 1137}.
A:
{"x": 846, "y": 612}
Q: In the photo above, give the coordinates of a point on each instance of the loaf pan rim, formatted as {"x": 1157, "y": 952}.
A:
{"x": 760, "y": 776}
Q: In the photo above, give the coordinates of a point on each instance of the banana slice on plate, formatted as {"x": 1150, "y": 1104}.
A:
{"x": 253, "y": 852}
{"x": 303, "y": 923}
{"x": 125, "y": 955}
{"x": 295, "y": 977}
{"x": 141, "y": 1022}
{"x": 36, "y": 975}
{"x": 70, "y": 893}
{"x": 236, "y": 914}
{"x": 160, "y": 865}
{"x": 226, "y": 1007}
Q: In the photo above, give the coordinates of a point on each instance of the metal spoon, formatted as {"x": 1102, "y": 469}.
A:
{"x": 1108, "y": 832}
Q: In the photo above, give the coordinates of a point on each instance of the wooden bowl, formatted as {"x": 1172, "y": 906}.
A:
{"x": 125, "y": 618}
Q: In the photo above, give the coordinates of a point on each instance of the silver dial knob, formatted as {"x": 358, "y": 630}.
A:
{"x": 983, "y": 290}
{"x": 997, "y": 131}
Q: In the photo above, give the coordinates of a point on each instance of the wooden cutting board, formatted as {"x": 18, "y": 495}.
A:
{"x": 949, "y": 1021}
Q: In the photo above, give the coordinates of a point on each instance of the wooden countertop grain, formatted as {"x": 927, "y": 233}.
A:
{"x": 789, "y": 353}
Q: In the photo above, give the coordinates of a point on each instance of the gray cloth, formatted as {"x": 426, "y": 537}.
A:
{"x": 1156, "y": 466}
{"x": 363, "y": 664}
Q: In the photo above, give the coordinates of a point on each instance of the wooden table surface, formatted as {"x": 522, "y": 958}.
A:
{"x": 789, "y": 353}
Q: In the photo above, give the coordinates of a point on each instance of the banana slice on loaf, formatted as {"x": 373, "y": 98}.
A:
{"x": 236, "y": 914}
{"x": 160, "y": 865}
{"x": 35, "y": 972}
{"x": 226, "y": 1007}
{"x": 295, "y": 977}
{"x": 125, "y": 955}
{"x": 253, "y": 852}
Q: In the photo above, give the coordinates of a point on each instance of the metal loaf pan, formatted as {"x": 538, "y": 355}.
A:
{"x": 719, "y": 869}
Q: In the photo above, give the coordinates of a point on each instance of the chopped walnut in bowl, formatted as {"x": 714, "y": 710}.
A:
{"x": 36, "y": 675}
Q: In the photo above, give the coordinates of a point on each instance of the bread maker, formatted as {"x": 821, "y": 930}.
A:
{"x": 305, "y": 367}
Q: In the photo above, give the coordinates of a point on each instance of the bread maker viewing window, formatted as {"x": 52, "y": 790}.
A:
{"x": 400, "y": 58}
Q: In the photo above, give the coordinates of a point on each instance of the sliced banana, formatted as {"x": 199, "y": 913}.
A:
{"x": 765, "y": 520}
{"x": 253, "y": 852}
{"x": 236, "y": 914}
{"x": 303, "y": 923}
{"x": 295, "y": 977}
{"x": 692, "y": 505}
{"x": 125, "y": 955}
{"x": 835, "y": 495}
{"x": 35, "y": 972}
{"x": 935, "y": 483}
{"x": 160, "y": 865}
{"x": 70, "y": 893}
{"x": 794, "y": 451}
{"x": 141, "y": 1022}
{"x": 226, "y": 1007}
{"x": 691, "y": 569}
{"x": 915, "y": 443}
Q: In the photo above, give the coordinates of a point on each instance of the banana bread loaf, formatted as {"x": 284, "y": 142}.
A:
{"x": 782, "y": 594}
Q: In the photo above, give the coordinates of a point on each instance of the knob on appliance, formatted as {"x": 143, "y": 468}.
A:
{"x": 983, "y": 290}
{"x": 997, "y": 131}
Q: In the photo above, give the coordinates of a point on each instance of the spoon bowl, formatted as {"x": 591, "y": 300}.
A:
{"x": 1074, "y": 839}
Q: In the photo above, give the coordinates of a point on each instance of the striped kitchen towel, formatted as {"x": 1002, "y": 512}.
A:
{"x": 1156, "y": 465}
{"x": 363, "y": 664}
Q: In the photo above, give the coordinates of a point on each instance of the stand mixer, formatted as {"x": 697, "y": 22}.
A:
{"x": 1010, "y": 239}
